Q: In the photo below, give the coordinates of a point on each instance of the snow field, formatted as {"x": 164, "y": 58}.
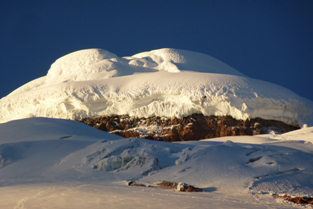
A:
{"x": 110, "y": 195}
{"x": 74, "y": 159}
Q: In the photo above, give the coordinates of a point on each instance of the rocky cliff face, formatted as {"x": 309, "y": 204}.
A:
{"x": 194, "y": 127}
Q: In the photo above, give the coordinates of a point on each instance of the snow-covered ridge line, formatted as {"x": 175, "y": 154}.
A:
{"x": 96, "y": 82}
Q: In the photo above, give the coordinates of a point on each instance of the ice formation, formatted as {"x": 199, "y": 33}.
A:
{"x": 164, "y": 82}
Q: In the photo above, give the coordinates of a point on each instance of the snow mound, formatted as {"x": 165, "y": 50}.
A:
{"x": 303, "y": 134}
{"x": 89, "y": 64}
{"x": 79, "y": 62}
{"x": 36, "y": 129}
{"x": 95, "y": 82}
{"x": 175, "y": 60}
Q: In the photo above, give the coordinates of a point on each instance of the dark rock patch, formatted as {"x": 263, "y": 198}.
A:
{"x": 296, "y": 199}
{"x": 193, "y": 127}
{"x": 180, "y": 187}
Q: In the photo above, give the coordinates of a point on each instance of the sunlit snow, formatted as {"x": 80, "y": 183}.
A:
{"x": 164, "y": 82}
{"x": 53, "y": 163}
{"x": 57, "y": 163}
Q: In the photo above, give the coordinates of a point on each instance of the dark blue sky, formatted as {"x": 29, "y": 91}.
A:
{"x": 269, "y": 40}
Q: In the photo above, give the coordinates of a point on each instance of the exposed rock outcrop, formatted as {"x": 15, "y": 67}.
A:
{"x": 296, "y": 199}
{"x": 180, "y": 187}
{"x": 193, "y": 127}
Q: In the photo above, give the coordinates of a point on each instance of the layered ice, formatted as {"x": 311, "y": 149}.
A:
{"x": 164, "y": 82}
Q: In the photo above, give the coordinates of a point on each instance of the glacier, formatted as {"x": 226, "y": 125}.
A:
{"x": 163, "y": 82}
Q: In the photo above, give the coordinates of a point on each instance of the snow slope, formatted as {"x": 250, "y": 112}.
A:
{"x": 304, "y": 133}
{"x": 65, "y": 164}
{"x": 164, "y": 82}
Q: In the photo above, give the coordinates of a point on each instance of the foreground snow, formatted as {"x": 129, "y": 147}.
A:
{"x": 115, "y": 196}
{"x": 55, "y": 163}
{"x": 165, "y": 82}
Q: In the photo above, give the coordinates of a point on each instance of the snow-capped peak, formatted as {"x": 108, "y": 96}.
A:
{"x": 94, "y": 64}
{"x": 80, "y": 62}
{"x": 176, "y": 83}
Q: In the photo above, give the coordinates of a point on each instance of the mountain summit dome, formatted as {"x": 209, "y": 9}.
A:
{"x": 164, "y": 82}
{"x": 175, "y": 60}
{"x": 92, "y": 64}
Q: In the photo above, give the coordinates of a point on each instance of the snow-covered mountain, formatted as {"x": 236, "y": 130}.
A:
{"x": 164, "y": 82}
{"x": 54, "y": 163}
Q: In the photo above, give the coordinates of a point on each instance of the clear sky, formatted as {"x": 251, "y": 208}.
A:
{"x": 271, "y": 40}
